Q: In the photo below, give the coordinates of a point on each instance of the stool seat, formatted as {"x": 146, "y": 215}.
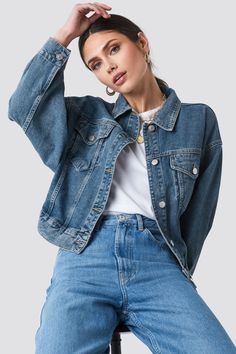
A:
{"x": 121, "y": 328}
{"x": 116, "y": 339}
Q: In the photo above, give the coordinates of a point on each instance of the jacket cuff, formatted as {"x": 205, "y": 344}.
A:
{"x": 55, "y": 52}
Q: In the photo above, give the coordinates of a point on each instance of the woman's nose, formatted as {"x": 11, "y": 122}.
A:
{"x": 110, "y": 67}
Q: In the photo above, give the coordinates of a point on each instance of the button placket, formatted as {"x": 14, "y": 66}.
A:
{"x": 162, "y": 204}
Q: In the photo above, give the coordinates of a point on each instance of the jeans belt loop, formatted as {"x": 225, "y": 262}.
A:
{"x": 140, "y": 222}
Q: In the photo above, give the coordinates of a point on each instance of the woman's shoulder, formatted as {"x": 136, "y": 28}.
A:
{"x": 199, "y": 110}
{"x": 203, "y": 116}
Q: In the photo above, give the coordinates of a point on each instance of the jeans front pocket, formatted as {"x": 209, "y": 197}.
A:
{"x": 154, "y": 236}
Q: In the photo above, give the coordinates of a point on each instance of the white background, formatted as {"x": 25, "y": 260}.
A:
{"x": 192, "y": 48}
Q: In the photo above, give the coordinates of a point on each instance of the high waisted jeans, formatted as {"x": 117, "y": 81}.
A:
{"x": 127, "y": 272}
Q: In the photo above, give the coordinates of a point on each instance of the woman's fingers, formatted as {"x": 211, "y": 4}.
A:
{"x": 100, "y": 11}
{"x": 78, "y": 22}
{"x": 99, "y": 8}
{"x": 94, "y": 17}
{"x": 94, "y": 7}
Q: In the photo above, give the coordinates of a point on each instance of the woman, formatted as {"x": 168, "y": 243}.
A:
{"x": 126, "y": 205}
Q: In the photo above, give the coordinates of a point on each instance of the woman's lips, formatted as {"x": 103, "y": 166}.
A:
{"x": 121, "y": 80}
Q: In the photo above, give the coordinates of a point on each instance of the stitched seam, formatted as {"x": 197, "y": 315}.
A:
{"x": 152, "y": 339}
{"x": 213, "y": 144}
{"x": 38, "y": 99}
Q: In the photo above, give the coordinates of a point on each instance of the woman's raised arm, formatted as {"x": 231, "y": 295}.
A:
{"x": 38, "y": 104}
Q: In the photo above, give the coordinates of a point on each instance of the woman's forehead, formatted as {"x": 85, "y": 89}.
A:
{"x": 103, "y": 36}
{"x": 97, "y": 42}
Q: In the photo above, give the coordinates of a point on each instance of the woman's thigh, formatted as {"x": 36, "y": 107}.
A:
{"x": 79, "y": 313}
{"x": 165, "y": 309}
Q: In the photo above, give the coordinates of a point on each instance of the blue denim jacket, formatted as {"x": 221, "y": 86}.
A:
{"x": 80, "y": 138}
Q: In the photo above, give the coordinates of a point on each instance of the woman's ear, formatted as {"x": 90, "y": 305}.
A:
{"x": 143, "y": 42}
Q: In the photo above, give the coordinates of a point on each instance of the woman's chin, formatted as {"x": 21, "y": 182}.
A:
{"x": 126, "y": 89}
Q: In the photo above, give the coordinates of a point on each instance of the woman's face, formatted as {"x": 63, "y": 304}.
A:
{"x": 120, "y": 55}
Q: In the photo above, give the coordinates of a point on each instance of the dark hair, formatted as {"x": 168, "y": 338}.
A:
{"x": 116, "y": 23}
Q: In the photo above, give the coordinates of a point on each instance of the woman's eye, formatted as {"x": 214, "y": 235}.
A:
{"x": 116, "y": 46}
{"x": 95, "y": 66}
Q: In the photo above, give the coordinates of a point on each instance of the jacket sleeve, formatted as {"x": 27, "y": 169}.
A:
{"x": 38, "y": 104}
{"x": 197, "y": 219}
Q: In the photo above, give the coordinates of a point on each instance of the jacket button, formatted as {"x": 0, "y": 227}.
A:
{"x": 59, "y": 56}
{"x": 195, "y": 170}
{"x": 172, "y": 242}
{"x": 155, "y": 162}
{"x": 162, "y": 204}
{"x": 91, "y": 137}
{"x": 151, "y": 127}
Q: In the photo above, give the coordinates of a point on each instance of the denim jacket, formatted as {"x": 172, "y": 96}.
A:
{"x": 80, "y": 138}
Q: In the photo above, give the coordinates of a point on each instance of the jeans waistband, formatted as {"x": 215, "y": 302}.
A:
{"x": 140, "y": 221}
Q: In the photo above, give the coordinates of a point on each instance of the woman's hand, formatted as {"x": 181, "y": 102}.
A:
{"x": 78, "y": 22}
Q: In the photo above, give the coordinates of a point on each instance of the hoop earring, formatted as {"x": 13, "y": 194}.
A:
{"x": 147, "y": 58}
{"x": 110, "y": 93}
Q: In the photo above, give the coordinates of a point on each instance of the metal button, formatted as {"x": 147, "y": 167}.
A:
{"x": 155, "y": 162}
{"x": 172, "y": 242}
{"x": 151, "y": 127}
{"x": 91, "y": 137}
{"x": 122, "y": 217}
{"x": 59, "y": 56}
{"x": 195, "y": 170}
{"x": 162, "y": 204}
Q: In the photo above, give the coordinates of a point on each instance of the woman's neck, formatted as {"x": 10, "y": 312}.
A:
{"x": 146, "y": 96}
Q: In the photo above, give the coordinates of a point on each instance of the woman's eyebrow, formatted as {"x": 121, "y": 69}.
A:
{"x": 103, "y": 49}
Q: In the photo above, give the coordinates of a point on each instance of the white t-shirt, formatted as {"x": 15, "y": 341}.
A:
{"x": 130, "y": 187}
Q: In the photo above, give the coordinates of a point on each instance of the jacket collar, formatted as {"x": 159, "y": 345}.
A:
{"x": 165, "y": 118}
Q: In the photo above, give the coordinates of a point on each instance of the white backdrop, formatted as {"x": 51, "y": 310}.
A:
{"x": 192, "y": 46}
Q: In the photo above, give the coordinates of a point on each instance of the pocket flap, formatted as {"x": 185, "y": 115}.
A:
{"x": 92, "y": 132}
{"x": 188, "y": 163}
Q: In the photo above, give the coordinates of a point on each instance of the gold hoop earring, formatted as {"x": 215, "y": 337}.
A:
{"x": 147, "y": 58}
{"x": 110, "y": 93}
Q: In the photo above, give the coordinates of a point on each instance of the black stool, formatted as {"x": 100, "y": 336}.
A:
{"x": 115, "y": 342}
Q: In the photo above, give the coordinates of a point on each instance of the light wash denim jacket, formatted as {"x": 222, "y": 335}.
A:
{"x": 80, "y": 138}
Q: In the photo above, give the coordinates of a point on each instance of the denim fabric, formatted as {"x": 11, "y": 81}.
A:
{"x": 126, "y": 273}
{"x": 80, "y": 138}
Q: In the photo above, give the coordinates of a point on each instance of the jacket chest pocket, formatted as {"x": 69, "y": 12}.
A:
{"x": 185, "y": 171}
{"x": 90, "y": 139}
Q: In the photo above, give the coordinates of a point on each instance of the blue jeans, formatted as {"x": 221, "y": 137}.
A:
{"x": 126, "y": 273}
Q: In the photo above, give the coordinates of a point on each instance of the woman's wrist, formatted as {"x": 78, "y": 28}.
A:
{"x": 62, "y": 37}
